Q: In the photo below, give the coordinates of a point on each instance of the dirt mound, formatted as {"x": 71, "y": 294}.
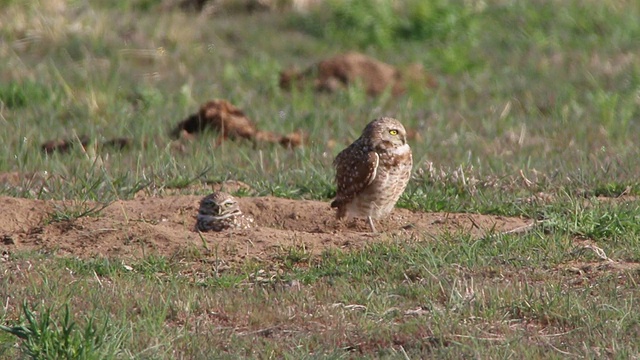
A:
{"x": 350, "y": 68}
{"x": 166, "y": 226}
{"x": 230, "y": 123}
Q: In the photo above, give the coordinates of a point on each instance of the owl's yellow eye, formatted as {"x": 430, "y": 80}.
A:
{"x": 393, "y": 132}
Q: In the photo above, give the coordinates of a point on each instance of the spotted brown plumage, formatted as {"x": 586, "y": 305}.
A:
{"x": 220, "y": 211}
{"x": 373, "y": 171}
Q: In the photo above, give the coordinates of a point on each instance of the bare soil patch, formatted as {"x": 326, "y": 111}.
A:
{"x": 166, "y": 226}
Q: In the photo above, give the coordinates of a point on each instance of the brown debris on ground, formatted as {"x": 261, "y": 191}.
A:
{"x": 230, "y": 123}
{"x": 347, "y": 69}
{"x": 221, "y": 116}
{"x": 165, "y": 226}
{"x": 118, "y": 143}
{"x": 588, "y": 261}
{"x": 289, "y": 141}
{"x": 65, "y": 145}
{"x": 294, "y": 139}
{"x": 239, "y": 6}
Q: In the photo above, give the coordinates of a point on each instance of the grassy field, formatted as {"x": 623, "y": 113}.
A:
{"x": 536, "y": 114}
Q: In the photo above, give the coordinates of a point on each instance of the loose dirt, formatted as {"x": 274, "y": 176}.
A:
{"x": 166, "y": 226}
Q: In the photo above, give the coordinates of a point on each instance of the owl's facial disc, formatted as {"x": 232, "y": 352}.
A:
{"x": 226, "y": 206}
{"x": 397, "y": 137}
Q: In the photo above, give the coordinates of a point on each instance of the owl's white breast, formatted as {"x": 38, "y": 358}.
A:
{"x": 401, "y": 150}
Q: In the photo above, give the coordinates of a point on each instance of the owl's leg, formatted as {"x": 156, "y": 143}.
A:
{"x": 370, "y": 221}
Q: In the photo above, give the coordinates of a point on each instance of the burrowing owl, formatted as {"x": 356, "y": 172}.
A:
{"x": 373, "y": 171}
{"x": 220, "y": 211}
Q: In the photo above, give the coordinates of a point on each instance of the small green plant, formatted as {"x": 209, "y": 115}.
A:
{"x": 95, "y": 267}
{"x": 137, "y": 5}
{"x": 42, "y": 337}
{"x": 75, "y": 211}
{"x": 152, "y": 265}
{"x": 381, "y": 23}
{"x": 296, "y": 256}
{"x": 16, "y": 95}
{"x": 616, "y": 189}
{"x": 594, "y": 220}
{"x": 181, "y": 181}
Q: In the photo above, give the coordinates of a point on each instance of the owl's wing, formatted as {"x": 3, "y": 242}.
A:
{"x": 354, "y": 174}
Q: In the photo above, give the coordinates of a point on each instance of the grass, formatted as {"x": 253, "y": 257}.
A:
{"x": 456, "y": 297}
{"x": 46, "y": 338}
{"x": 534, "y": 115}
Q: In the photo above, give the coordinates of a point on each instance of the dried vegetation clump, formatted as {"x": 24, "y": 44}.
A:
{"x": 231, "y": 123}
{"x": 351, "y": 68}
{"x": 240, "y": 6}
{"x": 65, "y": 145}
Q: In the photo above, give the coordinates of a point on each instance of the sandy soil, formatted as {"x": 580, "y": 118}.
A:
{"x": 165, "y": 226}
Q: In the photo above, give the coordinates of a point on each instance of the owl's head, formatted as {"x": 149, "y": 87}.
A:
{"x": 386, "y": 133}
{"x": 220, "y": 205}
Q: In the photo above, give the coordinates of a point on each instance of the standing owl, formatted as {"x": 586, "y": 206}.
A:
{"x": 373, "y": 171}
{"x": 220, "y": 211}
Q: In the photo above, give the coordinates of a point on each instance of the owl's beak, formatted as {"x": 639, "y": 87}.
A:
{"x": 219, "y": 210}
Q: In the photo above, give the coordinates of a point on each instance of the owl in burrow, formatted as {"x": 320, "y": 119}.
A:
{"x": 220, "y": 211}
{"x": 373, "y": 171}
